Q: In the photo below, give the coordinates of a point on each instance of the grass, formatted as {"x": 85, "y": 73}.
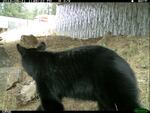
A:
{"x": 134, "y": 49}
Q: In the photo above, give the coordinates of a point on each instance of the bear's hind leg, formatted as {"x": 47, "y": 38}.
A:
{"x": 127, "y": 104}
{"x": 105, "y": 104}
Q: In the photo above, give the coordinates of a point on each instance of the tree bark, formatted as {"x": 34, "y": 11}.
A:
{"x": 91, "y": 20}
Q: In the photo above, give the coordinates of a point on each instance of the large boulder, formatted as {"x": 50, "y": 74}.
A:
{"x": 3, "y": 79}
{"x": 14, "y": 76}
{"x": 4, "y": 58}
{"x": 29, "y": 41}
{"x": 27, "y": 93}
{"x": 9, "y": 77}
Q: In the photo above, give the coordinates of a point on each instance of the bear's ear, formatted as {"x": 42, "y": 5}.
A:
{"x": 21, "y": 49}
{"x": 41, "y": 46}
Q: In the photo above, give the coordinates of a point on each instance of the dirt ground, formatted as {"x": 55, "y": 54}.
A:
{"x": 134, "y": 49}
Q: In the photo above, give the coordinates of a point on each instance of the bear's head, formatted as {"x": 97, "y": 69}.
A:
{"x": 22, "y": 50}
{"x": 30, "y": 57}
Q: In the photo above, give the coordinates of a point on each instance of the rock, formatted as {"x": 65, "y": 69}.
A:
{"x": 29, "y": 41}
{"x": 3, "y": 79}
{"x": 27, "y": 93}
{"x": 8, "y": 77}
{"x": 7, "y": 98}
{"x": 4, "y": 58}
{"x": 13, "y": 78}
{"x": 25, "y": 78}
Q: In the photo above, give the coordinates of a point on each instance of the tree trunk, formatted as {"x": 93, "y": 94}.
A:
{"x": 90, "y": 20}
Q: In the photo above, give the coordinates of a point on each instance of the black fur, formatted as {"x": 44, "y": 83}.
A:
{"x": 88, "y": 72}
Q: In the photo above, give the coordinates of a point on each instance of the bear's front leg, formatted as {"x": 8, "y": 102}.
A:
{"x": 49, "y": 101}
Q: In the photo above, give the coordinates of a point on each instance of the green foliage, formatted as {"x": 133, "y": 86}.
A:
{"x": 53, "y": 9}
{"x": 47, "y": 9}
{"x": 19, "y": 10}
{"x": 35, "y": 12}
{"x": 12, "y": 10}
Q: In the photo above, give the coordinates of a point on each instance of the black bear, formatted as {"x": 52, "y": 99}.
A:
{"x": 89, "y": 72}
